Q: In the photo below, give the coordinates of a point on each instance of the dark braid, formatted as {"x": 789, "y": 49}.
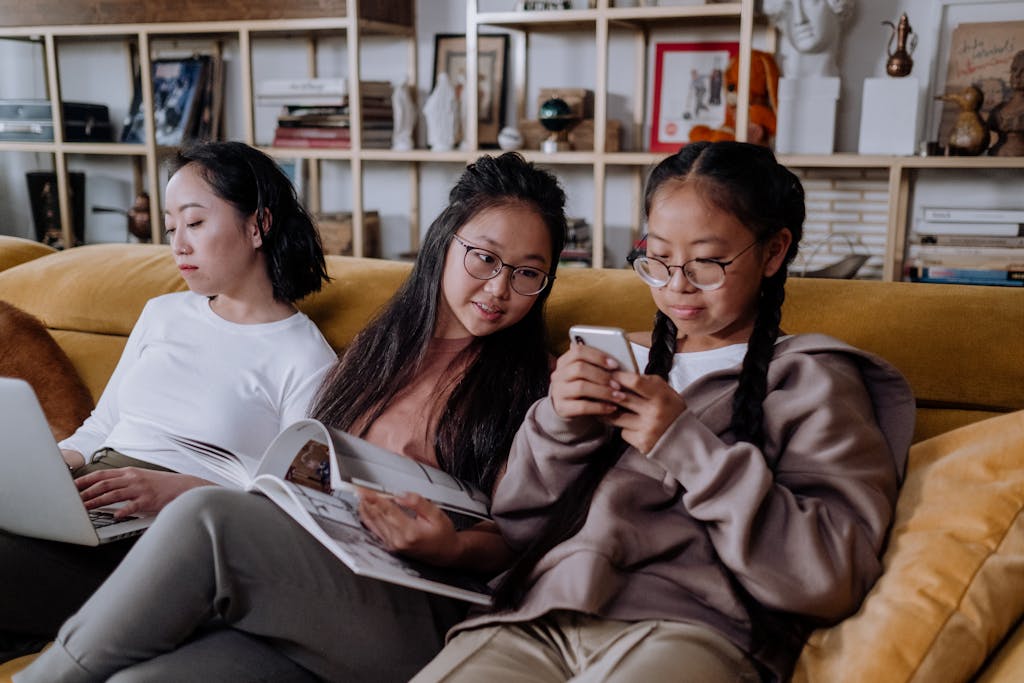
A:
{"x": 663, "y": 346}
{"x": 747, "y": 403}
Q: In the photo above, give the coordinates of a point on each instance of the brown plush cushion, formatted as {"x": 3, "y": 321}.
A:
{"x": 954, "y": 568}
{"x": 28, "y": 351}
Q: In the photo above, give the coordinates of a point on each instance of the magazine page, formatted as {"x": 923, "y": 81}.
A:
{"x": 333, "y": 520}
{"x": 301, "y": 451}
{"x": 303, "y": 443}
{"x": 219, "y": 460}
{"x": 360, "y": 463}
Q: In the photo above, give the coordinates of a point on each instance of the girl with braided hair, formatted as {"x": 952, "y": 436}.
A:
{"x": 694, "y": 522}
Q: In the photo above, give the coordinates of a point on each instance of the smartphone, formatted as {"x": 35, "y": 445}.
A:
{"x": 611, "y": 340}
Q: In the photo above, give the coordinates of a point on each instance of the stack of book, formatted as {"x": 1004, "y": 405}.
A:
{"x": 315, "y": 112}
{"x": 968, "y": 246}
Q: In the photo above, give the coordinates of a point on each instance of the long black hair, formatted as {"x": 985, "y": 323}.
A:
{"x": 743, "y": 180}
{"x": 509, "y": 369}
{"x": 255, "y": 185}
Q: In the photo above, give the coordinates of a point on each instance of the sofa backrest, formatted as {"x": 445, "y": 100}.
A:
{"x": 961, "y": 347}
{"x": 17, "y": 250}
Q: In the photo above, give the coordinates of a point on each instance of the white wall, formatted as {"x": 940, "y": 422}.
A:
{"x": 554, "y": 60}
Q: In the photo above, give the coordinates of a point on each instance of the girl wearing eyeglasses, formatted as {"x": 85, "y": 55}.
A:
{"x": 225, "y": 586}
{"x": 694, "y": 522}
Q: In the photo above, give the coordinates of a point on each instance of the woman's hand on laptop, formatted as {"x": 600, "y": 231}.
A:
{"x": 143, "y": 492}
{"x": 74, "y": 459}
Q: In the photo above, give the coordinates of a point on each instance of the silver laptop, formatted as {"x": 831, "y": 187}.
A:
{"x": 38, "y": 497}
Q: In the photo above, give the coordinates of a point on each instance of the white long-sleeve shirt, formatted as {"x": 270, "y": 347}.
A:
{"x": 186, "y": 371}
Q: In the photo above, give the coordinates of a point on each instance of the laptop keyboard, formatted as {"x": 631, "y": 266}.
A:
{"x": 102, "y": 518}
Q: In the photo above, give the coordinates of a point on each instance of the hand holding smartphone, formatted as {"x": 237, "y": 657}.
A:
{"x": 610, "y": 340}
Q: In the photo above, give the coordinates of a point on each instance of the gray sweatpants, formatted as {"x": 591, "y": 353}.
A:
{"x": 225, "y": 586}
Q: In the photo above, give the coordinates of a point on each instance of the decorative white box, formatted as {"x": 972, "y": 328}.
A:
{"x": 807, "y": 115}
{"x": 888, "y": 116}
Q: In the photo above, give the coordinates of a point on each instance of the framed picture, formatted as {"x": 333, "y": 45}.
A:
{"x": 450, "y": 58}
{"x": 178, "y": 94}
{"x": 972, "y": 53}
{"x": 688, "y": 90}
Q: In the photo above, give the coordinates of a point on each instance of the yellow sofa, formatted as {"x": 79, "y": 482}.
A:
{"x": 949, "y": 603}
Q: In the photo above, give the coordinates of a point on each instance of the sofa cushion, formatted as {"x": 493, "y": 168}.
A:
{"x": 17, "y": 250}
{"x": 953, "y": 583}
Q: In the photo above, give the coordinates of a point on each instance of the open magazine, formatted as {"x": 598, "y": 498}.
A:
{"x": 312, "y": 472}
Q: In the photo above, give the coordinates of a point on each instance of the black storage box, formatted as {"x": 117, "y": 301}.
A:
{"x": 30, "y": 121}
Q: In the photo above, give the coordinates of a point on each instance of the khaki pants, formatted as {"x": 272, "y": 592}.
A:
{"x": 108, "y": 459}
{"x": 568, "y": 646}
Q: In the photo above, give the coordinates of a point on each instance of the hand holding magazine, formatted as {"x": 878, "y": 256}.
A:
{"x": 313, "y": 473}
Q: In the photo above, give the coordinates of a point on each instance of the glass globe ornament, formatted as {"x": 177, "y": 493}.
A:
{"x": 558, "y": 117}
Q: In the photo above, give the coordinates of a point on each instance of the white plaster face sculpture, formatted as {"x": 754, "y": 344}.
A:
{"x": 812, "y": 30}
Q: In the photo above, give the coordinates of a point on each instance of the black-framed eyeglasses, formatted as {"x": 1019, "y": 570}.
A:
{"x": 706, "y": 274}
{"x": 486, "y": 265}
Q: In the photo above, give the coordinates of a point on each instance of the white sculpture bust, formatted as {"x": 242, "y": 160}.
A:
{"x": 404, "y": 113}
{"x": 812, "y": 32}
{"x": 442, "y": 112}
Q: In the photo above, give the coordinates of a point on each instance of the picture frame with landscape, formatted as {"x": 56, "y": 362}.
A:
{"x": 492, "y": 51}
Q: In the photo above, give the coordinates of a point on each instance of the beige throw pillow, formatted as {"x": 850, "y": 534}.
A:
{"x": 953, "y": 583}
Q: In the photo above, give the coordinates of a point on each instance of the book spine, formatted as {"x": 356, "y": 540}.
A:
{"x": 974, "y": 215}
{"x": 308, "y": 143}
{"x": 990, "y": 258}
{"x": 1001, "y": 229}
{"x": 969, "y": 241}
{"x": 291, "y": 87}
{"x": 313, "y": 132}
{"x": 967, "y": 276}
{"x": 301, "y": 100}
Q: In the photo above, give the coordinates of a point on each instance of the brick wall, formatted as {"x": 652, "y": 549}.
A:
{"x": 844, "y": 203}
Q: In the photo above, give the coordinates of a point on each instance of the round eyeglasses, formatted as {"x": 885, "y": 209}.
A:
{"x": 706, "y": 274}
{"x": 486, "y": 265}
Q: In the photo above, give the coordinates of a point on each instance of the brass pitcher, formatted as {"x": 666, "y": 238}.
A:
{"x": 900, "y": 63}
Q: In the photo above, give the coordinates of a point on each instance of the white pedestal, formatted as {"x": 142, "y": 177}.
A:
{"x": 807, "y": 115}
{"x": 888, "y": 116}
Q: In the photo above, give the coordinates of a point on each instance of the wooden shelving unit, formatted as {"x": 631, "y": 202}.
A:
{"x": 142, "y": 35}
{"x": 354, "y": 20}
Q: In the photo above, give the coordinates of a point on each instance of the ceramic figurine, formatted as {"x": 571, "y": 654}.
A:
{"x": 404, "y": 113}
{"x": 442, "y": 112}
{"x": 813, "y": 32}
{"x": 969, "y": 135}
{"x": 1007, "y": 118}
{"x": 510, "y": 139}
{"x": 900, "y": 63}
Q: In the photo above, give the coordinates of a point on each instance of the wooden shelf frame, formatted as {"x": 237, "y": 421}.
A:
{"x": 600, "y": 22}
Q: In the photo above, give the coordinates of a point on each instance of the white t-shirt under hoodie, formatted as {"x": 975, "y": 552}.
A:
{"x": 186, "y": 371}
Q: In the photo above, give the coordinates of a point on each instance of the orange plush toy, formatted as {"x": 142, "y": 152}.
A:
{"x": 764, "y": 88}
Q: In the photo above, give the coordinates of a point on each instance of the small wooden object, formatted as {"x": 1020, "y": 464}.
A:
{"x": 336, "y": 233}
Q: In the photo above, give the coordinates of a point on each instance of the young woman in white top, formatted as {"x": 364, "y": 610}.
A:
{"x": 230, "y": 362}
